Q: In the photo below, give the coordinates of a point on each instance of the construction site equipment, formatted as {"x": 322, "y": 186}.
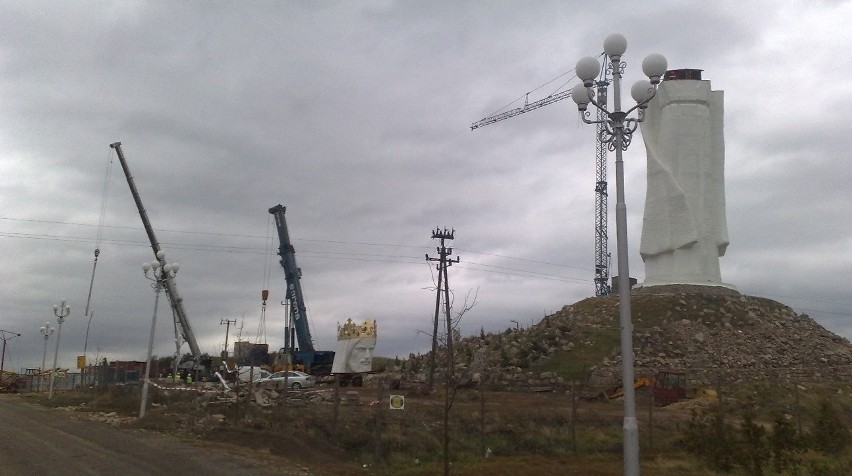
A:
{"x": 618, "y": 390}
{"x": 667, "y": 387}
{"x": 315, "y": 362}
{"x": 170, "y": 287}
{"x": 602, "y": 256}
{"x": 104, "y": 198}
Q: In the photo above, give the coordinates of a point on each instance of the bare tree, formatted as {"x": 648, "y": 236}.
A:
{"x": 451, "y": 379}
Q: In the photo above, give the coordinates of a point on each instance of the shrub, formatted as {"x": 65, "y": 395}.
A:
{"x": 830, "y": 435}
{"x": 753, "y": 451}
{"x": 710, "y": 438}
{"x": 785, "y": 445}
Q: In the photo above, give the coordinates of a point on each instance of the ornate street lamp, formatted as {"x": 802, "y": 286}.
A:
{"x": 159, "y": 277}
{"x": 617, "y": 133}
{"x": 46, "y": 331}
{"x": 61, "y": 311}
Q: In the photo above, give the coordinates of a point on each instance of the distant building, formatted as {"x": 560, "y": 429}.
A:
{"x": 247, "y": 353}
{"x": 242, "y": 349}
{"x": 132, "y": 370}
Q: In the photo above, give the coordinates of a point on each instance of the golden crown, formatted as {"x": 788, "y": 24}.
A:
{"x": 350, "y": 330}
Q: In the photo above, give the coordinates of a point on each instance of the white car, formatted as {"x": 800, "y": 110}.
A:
{"x": 248, "y": 373}
{"x": 294, "y": 378}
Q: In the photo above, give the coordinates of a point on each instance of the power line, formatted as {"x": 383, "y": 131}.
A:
{"x": 251, "y": 250}
{"x": 332, "y": 255}
{"x": 116, "y": 227}
{"x": 530, "y": 274}
{"x": 522, "y": 259}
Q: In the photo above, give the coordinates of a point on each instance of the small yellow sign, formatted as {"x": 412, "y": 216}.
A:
{"x": 81, "y": 361}
{"x": 397, "y": 402}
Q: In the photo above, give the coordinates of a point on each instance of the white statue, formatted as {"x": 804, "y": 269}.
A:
{"x": 684, "y": 231}
{"x": 355, "y": 346}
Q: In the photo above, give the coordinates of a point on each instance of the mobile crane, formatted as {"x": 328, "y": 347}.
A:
{"x": 171, "y": 289}
{"x": 315, "y": 362}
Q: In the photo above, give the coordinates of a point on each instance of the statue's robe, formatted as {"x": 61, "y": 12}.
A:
{"x": 684, "y": 231}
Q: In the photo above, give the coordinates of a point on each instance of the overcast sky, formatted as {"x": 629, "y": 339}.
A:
{"x": 355, "y": 115}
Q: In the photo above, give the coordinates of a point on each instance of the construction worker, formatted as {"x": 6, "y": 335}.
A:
{"x": 189, "y": 379}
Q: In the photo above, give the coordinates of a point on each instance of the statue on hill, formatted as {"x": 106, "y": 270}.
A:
{"x": 684, "y": 231}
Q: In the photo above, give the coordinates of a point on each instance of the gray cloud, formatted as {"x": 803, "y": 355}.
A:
{"x": 355, "y": 116}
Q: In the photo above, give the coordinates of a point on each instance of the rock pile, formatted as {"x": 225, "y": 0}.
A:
{"x": 707, "y": 332}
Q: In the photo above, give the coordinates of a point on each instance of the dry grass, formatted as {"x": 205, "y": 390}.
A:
{"x": 526, "y": 433}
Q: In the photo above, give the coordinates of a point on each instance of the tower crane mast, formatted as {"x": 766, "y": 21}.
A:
{"x": 602, "y": 257}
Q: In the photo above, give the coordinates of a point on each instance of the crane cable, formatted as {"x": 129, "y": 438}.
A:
{"x": 264, "y": 294}
{"x": 261, "y": 325}
{"x": 99, "y": 237}
{"x": 526, "y": 96}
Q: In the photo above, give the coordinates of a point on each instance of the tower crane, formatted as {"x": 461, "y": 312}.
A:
{"x": 602, "y": 256}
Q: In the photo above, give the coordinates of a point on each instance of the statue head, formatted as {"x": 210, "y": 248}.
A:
{"x": 355, "y": 346}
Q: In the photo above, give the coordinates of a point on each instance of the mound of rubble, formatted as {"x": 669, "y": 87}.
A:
{"x": 707, "y": 332}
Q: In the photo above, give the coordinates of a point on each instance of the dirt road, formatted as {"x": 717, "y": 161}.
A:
{"x": 35, "y": 440}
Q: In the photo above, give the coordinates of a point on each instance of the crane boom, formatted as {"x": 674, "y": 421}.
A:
{"x": 293, "y": 275}
{"x": 530, "y": 106}
{"x": 171, "y": 289}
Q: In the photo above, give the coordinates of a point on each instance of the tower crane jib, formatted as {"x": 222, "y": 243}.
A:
{"x": 602, "y": 264}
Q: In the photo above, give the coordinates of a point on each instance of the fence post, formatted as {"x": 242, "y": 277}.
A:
{"x": 574, "y": 404}
{"x": 336, "y": 404}
{"x": 379, "y": 393}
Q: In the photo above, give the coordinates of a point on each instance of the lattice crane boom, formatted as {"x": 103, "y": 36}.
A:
{"x": 529, "y": 106}
{"x": 602, "y": 258}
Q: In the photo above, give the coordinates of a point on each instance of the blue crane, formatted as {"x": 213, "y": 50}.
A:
{"x": 315, "y": 362}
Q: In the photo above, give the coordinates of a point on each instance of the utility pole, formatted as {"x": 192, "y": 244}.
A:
{"x": 227, "y": 324}
{"x": 443, "y": 262}
{"x": 5, "y": 335}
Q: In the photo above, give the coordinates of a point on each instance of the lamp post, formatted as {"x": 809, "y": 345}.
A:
{"x": 61, "y": 311}
{"x": 617, "y": 133}
{"x": 159, "y": 276}
{"x": 46, "y": 331}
